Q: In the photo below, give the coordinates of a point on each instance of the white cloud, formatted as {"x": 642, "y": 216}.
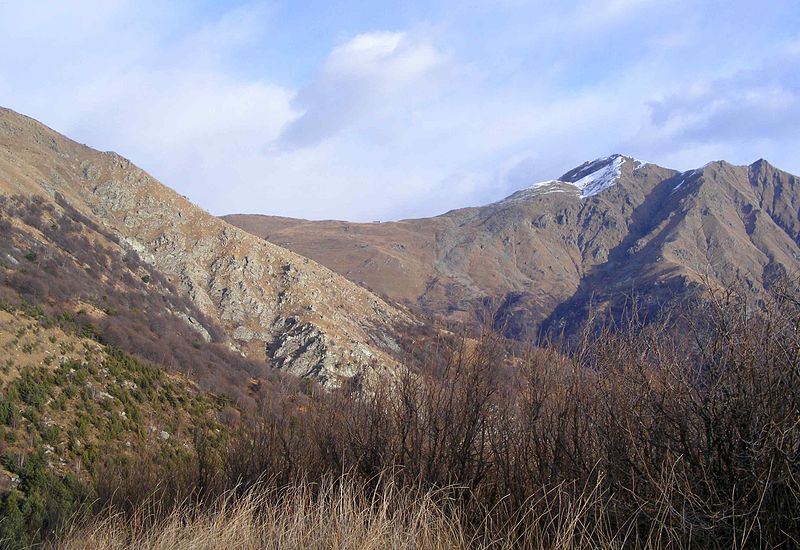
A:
{"x": 735, "y": 115}
{"x": 366, "y": 74}
{"x": 167, "y": 102}
{"x": 599, "y": 13}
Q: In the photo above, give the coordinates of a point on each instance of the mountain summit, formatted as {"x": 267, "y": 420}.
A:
{"x": 587, "y": 180}
{"x": 603, "y": 230}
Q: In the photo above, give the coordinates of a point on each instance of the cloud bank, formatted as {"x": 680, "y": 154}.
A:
{"x": 386, "y": 112}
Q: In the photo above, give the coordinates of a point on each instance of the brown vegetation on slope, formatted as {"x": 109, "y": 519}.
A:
{"x": 53, "y": 257}
{"x": 271, "y": 304}
{"x": 641, "y": 438}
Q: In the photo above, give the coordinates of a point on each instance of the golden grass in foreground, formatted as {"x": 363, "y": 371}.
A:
{"x": 335, "y": 514}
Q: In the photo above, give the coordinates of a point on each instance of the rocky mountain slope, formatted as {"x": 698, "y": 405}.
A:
{"x": 248, "y": 295}
{"x": 609, "y": 228}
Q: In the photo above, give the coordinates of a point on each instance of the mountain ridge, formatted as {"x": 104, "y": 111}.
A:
{"x": 616, "y": 224}
{"x": 274, "y": 305}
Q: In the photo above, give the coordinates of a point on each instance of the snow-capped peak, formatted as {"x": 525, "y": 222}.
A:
{"x": 588, "y": 179}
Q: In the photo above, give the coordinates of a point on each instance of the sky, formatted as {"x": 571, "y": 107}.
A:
{"x": 387, "y": 110}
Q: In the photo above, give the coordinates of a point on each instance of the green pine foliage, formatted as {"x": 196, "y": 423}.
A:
{"x": 63, "y": 424}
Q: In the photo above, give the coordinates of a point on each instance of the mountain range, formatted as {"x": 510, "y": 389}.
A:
{"x": 148, "y": 344}
{"x": 604, "y": 232}
{"x": 228, "y": 300}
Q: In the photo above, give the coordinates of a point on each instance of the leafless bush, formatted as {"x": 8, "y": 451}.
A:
{"x": 659, "y": 437}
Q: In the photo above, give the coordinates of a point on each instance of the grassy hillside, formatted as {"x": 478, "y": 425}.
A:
{"x": 56, "y": 258}
{"x": 241, "y": 296}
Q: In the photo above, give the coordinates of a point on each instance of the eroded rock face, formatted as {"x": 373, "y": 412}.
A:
{"x": 273, "y": 305}
{"x": 301, "y": 349}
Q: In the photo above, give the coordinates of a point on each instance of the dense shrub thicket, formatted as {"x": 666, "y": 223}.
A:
{"x": 639, "y": 437}
{"x": 65, "y": 418}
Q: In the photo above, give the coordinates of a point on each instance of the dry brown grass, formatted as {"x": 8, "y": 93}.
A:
{"x": 337, "y": 514}
{"x": 333, "y": 514}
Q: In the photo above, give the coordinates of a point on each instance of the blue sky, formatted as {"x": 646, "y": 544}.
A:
{"x": 379, "y": 110}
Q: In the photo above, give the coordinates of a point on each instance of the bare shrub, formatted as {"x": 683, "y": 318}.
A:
{"x": 657, "y": 436}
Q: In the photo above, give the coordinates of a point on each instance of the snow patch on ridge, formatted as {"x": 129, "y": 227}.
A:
{"x": 593, "y": 177}
{"x": 545, "y": 184}
{"x": 540, "y": 188}
{"x": 601, "y": 179}
{"x": 686, "y": 176}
